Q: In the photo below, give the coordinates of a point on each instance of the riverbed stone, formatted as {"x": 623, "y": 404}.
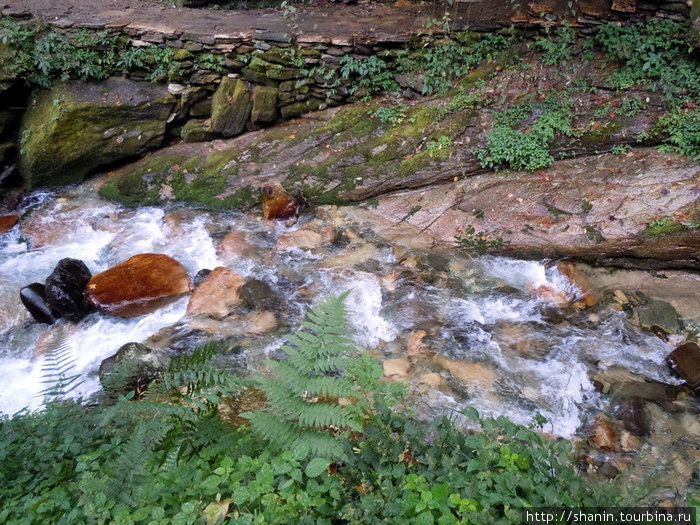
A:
{"x": 217, "y": 295}
{"x": 65, "y": 289}
{"x": 232, "y": 245}
{"x": 590, "y": 296}
{"x": 139, "y": 285}
{"x": 258, "y": 295}
{"x": 231, "y": 107}
{"x": 685, "y": 361}
{"x": 133, "y": 367}
{"x": 299, "y": 239}
{"x": 658, "y": 314}
{"x": 7, "y": 222}
{"x": 277, "y": 204}
{"x": 33, "y": 297}
{"x": 76, "y": 127}
{"x": 469, "y": 372}
{"x": 602, "y": 435}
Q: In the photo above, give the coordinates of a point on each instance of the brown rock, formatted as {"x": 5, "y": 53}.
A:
{"x": 232, "y": 245}
{"x": 415, "y": 342}
{"x": 603, "y": 435}
{"x": 591, "y": 296}
{"x": 260, "y": 322}
{"x": 138, "y": 286}
{"x": 7, "y": 222}
{"x": 301, "y": 239}
{"x": 624, "y": 6}
{"x": 685, "y": 361}
{"x": 629, "y": 442}
{"x": 468, "y": 372}
{"x": 277, "y": 203}
{"x": 217, "y": 295}
{"x": 397, "y": 368}
{"x": 433, "y": 379}
{"x": 558, "y": 298}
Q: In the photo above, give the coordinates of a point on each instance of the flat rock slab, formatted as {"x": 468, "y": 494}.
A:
{"x": 139, "y": 285}
{"x": 597, "y": 207}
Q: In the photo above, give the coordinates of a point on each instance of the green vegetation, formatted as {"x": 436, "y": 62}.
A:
{"x": 521, "y": 144}
{"x": 620, "y": 149}
{"x": 654, "y": 54}
{"x": 172, "y": 457}
{"x": 683, "y": 129}
{"x": 556, "y": 50}
{"x": 665, "y": 226}
{"x": 442, "y": 61}
{"x": 393, "y": 115}
{"x": 471, "y": 241}
{"x": 40, "y": 55}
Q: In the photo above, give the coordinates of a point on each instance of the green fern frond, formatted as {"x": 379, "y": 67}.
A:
{"x": 305, "y": 389}
{"x": 56, "y": 370}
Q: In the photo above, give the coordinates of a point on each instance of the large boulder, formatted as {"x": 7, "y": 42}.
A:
{"x": 231, "y": 107}
{"x": 33, "y": 297}
{"x": 65, "y": 289}
{"x": 76, "y": 127}
{"x": 217, "y": 295}
{"x": 139, "y": 285}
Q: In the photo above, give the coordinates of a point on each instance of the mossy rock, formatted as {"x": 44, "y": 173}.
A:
{"x": 264, "y": 104}
{"x": 76, "y": 127}
{"x": 694, "y": 30}
{"x": 273, "y": 71}
{"x": 230, "y": 107}
{"x": 196, "y": 130}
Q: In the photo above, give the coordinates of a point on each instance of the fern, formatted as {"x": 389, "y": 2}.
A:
{"x": 305, "y": 390}
{"x": 56, "y": 370}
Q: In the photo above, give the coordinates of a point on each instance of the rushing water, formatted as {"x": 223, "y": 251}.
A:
{"x": 484, "y": 311}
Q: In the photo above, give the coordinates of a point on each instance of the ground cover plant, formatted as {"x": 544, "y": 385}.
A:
{"x": 171, "y": 458}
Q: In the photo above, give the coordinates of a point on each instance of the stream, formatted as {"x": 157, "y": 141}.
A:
{"x": 479, "y": 330}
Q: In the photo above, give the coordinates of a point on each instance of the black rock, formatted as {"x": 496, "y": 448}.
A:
{"x": 33, "y": 298}
{"x": 633, "y": 417}
{"x": 65, "y": 289}
{"x": 201, "y": 277}
{"x": 258, "y": 295}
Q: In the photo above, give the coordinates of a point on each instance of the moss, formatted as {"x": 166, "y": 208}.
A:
{"x": 661, "y": 227}
{"x": 599, "y": 136}
{"x": 230, "y": 107}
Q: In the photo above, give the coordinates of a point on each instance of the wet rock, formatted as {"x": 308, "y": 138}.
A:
{"x": 633, "y": 417}
{"x": 7, "y": 222}
{"x": 299, "y": 239}
{"x": 602, "y": 435}
{"x": 231, "y": 107}
{"x": 258, "y": 295}
{"x": 658, "y": 314}
{"x": 200, "y": 277}
{"x": 608, "y": 470}
{"x": 139, "y": 285}
{"x": 277, "y": 203}
{"x": 433, "y": 379}
{"x": 591, "y": 297}
{"x": 133, "y": 367}
{"x": 415, "y": 344}
{"x": 354, "y": 255}
{"x": 685, "y": 361}
{"x": 558, "y": 298}
{"x": 76, "y": 127}
{"x": 65, "y": 289}
{"x": 33, "y": 298}
{"x": 621, "y": 384}
{"x": 260, "y": 323}
{"x": 472, "y": 373}
{"x": 396, "y": 369}
{"x": 232, "y": 245}
{"x": 551, "y": 314}
{"x": 629, "y": 442}
{"x": 217, "y": 295}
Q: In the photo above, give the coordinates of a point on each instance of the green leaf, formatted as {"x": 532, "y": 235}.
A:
{"x": 316, "y": 467}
